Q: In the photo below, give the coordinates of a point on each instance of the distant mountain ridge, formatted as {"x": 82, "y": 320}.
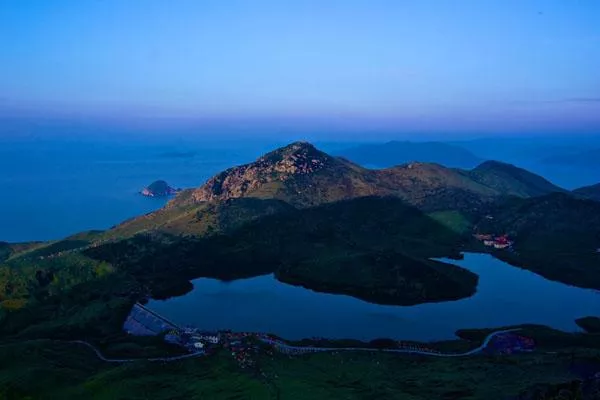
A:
{"x": 384, "y": 155}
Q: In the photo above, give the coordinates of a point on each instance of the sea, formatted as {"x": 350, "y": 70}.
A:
{"x": 53, "y": 188}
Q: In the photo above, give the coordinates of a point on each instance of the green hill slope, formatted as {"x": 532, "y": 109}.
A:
{"x": 511, "y": 180}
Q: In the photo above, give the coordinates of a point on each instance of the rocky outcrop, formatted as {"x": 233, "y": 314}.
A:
{"x": 297, "y": 159}
{"x": 159, "y": 189}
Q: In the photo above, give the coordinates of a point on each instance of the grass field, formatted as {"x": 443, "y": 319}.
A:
{"x": 48, "y": 370}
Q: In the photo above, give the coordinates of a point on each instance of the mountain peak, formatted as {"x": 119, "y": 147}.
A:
{"x": 268, "y": 172}
{"x": 294, "y": 159}
{"x": 296, "y": 152}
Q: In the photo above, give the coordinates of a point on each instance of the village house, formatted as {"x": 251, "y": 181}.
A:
{"x": 210, "y": 338}
{"x": 498, "y": 242}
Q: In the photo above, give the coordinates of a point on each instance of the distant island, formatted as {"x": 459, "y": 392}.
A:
{"x": 159, "y": 189}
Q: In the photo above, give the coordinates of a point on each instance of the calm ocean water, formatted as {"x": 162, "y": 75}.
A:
{"x": 53, "y": 189}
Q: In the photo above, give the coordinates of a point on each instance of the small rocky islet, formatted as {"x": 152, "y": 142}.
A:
{"x": 159, "y": 188}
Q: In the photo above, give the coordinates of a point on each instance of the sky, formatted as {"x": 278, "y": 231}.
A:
{"x": 413, "y": 65}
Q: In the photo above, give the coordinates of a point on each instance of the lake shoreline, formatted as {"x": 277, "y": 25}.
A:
{"x": 266, "y": 304}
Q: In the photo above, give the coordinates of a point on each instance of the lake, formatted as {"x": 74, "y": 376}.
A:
{"x": 505, "y": 296}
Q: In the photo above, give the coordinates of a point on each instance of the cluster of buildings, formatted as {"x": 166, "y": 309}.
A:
{"x": 244, "y": 351}
{"x": 194, "y": 340}
{"x": 497, "y": 242}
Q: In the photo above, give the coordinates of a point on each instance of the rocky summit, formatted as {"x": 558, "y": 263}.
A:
{"x": 303, "y": 176}
{"x": 299, "y": 158}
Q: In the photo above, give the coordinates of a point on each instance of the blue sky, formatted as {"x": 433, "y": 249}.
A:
{"x": 483, "y": 65}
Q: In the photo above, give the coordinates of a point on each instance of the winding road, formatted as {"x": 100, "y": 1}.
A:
{"x": 309, "y": 349}
{"x": 126, "y": 360}
{"x": 101, "y": 356}
{"x": 284, "y": 348}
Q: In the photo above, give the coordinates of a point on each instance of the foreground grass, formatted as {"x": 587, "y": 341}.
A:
{"x": 42, "y": 370}
{"x": 50, "y": 370}
{"x": 385, "y": 376}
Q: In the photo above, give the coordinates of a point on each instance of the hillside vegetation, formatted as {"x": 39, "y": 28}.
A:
{"x": 589, "y": 192}
{"x": 557, "y": 236}
{"x": 512, "y": 181}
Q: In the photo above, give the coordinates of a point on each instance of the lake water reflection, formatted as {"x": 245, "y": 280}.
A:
{"x": 505, "y": 296}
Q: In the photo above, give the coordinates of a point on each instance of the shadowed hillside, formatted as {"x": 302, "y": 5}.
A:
{"x": 557, "y": 236}
{"x": 590, "y": 192}
{"x": 372, "y": 248}
{"x": 510, "y": 180}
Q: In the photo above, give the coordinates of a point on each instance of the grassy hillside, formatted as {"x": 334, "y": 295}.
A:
{"x": 199, "y": 219}
{"x": 303, "y": 176}
{"x": 513, "y": 181}
{"x": 454, "y": 220}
